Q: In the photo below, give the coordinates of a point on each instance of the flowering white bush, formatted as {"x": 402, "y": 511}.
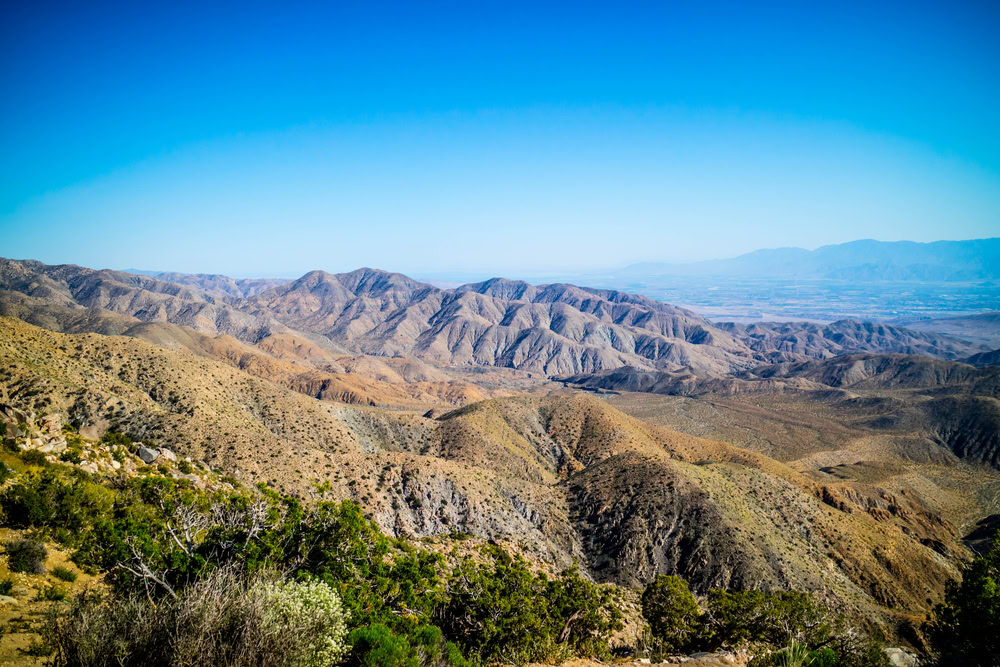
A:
{"x": 312, "y": 611}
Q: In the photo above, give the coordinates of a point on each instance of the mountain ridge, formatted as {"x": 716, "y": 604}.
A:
{"x": 553, "y": 329}
{"x": 864, "y": 259}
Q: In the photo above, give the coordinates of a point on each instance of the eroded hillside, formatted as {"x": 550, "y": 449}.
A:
{"x": 564, "y": 475}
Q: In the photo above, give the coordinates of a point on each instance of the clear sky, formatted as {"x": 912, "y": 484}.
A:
{"x": 270, "y": 139}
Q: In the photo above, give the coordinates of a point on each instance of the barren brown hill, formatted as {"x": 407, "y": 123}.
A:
{"x": 946, "y": 407}
{"x": 566, "y": 475}
{"x": 355, "y": 380}
{"x": 143, "y": 298}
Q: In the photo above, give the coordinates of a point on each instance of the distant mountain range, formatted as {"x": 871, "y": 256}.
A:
{"x": 865, "y": 260}
{"x": 555, "y": 329}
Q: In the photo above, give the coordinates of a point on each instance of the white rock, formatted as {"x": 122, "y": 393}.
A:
{"x": 147, "y": 455}
{"x": 167, "y": 454}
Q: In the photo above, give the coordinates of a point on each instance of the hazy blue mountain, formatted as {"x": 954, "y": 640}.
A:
{"x": 859, "y": 260}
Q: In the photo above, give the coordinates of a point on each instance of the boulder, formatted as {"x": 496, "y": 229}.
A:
{"x": 55, "y": 445}
{"x": 148, "y": 455}
{"x": 167, "y": 454}
{"x": 901, "y": 658}
{"x": 52, "y": 423}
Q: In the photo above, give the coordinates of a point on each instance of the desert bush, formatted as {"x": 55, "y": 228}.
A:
{"x": 497, "y": 609}
{"x": 33, "y": 457}
{"x": 734, "y": 618}
{"x": 786, "y": 628}
{"x": 378, "y": 646}
{"x": 583, "y": 615}
{"x": 26, "y": 555}
{"x": 53, "y": 594}
{"x": 5, "y": 472}
{"x": 6, "y": 586}
{"x": 312, "y": 610}
{"x": 112, "y": 438}
{"x": 226, "y": 618}
{"x": 64, "y": 573}
{"x": 60, "y": 505}
{"x": 672, "y": 613}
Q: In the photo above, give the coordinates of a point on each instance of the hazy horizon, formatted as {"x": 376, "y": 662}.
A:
{"x": 446, "y": 274}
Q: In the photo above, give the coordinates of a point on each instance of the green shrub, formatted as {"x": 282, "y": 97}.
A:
{"x": 64, "y": 573}
{"x": 54, "y": 594}
{"x": 225, "y": 618}
{"x": 33, "y": 457}
{"x": 112, "y": 438}
{"x": 966, "y": 626}
{"x": 5, "y": 472}
{"x": 71, "y": 456}
{"x": 26, "y": 555}
{"x": 582, "y": 615}
{"x": 61, "y": 506}
{"x": 6, "y": 586}
{"x": 496, "y": 609}
{"x": 185, "y": 467}
{"x": 734, "y": 618}
{"x": 377, "y": 646}
{"x": 672, "y": 612}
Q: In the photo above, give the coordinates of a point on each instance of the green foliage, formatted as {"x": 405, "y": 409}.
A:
{"x": 26, "y": 555}
{"x": 966, "y": 626}
{"x": 778, "y": 619}
{"x": 59, "y": 505}
{"x": 787, "y": 628}
{"x": 185, "y": 467}
{"x": 5, "y": 472}
{"x": 498, "y": 610}
{"x": 582, "y": 614}
{"x": 71, "y": 456}
{"x": 169, "y": 552}
{"x": 378, "y": 646}
{"x": 6, "y": 586}
{"x": 33, "y": 457}
{"x": 226, "y": 618}
{"x": 64, "y": 573}
{"x": 672, "y": 612}
{"x": 793, "y": 655}
{"x": 113, "y": 438}
{"x": 53, "y": 594}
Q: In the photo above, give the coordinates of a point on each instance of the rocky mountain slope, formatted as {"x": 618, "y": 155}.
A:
{"x": 566, "y": 475}
{"x": 943, "y": 404}
{"x": 983, "y": 359}
{"x": 549, "y": 329}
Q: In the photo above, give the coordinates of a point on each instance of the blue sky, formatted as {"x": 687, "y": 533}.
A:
{"x": 510, "y": 138}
